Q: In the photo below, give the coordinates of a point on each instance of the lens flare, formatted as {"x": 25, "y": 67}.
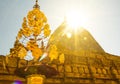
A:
{"x": 68, "y": 35}
{"x": 43, "y": 56}
{"x": 17, "y": 82}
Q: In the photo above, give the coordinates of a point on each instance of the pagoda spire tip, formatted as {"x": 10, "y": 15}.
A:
{"x": 36, "y": 5}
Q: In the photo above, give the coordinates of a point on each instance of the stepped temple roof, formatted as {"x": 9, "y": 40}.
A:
{"x": 69, "y": 39}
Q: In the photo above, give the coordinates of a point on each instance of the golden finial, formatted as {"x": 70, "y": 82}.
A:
{"x": 36, "y": 5}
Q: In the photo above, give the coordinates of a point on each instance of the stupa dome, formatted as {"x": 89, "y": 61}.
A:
{"x": 74, "y": 40}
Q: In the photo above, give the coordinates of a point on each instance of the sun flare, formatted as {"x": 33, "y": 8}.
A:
{"x": 68, "y": 34}
{"x": 76, "y": 19}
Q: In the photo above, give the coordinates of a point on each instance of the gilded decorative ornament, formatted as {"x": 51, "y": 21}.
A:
{"x": 32, "y": 35}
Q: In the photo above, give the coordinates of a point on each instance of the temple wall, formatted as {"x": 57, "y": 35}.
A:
{"x": 92, "y": 69}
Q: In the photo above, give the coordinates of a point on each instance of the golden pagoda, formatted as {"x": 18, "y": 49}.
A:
{"x": 69, "y": 57}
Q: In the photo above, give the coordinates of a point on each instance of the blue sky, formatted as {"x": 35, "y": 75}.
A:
{"x": 103, "y": 19}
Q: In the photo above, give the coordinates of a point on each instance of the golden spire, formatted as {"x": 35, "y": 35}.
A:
{"x": 36, "y": 5}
